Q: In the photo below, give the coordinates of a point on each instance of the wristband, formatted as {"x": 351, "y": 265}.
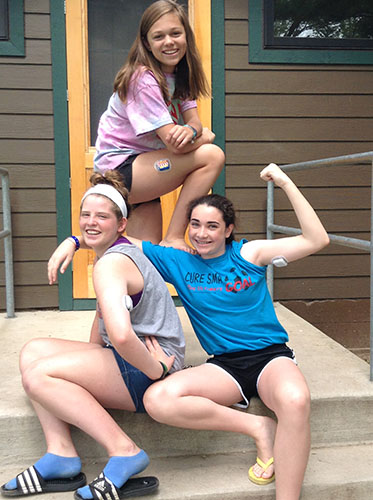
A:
{"x": 165, "y": 371}
{"x": 76, "y": 241}
{"x": 194, "y": 132}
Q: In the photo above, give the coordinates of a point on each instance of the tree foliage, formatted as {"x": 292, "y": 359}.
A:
{"x": 323, "y": 18}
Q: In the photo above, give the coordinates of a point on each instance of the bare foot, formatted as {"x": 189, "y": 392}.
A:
{"x": 264, "y": 445}
{"x": 179, "y": 243}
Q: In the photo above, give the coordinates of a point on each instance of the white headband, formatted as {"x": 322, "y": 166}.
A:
{"x": 111, "y": 193}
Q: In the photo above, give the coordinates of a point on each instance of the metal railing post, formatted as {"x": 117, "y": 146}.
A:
{"x": 6, "y": 233}
{"x": 270, "y": 218}
{"x": 371, "y": 280}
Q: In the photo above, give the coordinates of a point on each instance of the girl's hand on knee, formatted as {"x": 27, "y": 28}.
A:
{"x": 158, "y": 353}
{"x": 208, "y": 135}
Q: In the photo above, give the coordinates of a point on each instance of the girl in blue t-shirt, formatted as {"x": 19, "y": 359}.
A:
{"x": 224, "y": 292}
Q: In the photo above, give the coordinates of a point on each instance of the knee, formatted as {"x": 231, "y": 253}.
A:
{"x": 30, "y": 352}
{"x": 158, "y": 401}
{"x": 31, "y": 381}
{"x": 214, "y": 155}
{"x": 218, "y": 154}
{"x": 296, "y": 403}
{"x": 34, "y": 376}
{"x": 301, "y": 402}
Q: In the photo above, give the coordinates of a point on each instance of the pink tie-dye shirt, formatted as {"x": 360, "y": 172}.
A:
{"x": 129, "y": 128}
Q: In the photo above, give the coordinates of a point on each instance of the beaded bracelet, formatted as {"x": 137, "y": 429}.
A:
{"x": 76, "y": 241}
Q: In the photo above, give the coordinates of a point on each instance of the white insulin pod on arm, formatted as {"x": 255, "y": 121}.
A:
{"x": 279, "y": 261}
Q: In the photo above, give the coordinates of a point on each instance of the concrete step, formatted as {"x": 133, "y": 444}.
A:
{"x": 342, "y": 399}
{"x": 338, "y": 473}
{"x": 342, "y": 395}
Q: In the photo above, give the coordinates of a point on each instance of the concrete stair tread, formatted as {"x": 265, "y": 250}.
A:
{"x": 190, "y": 464}
{"x": 343, "y": 472}
{"x": 319, "y": 357}
{"x": 342, "y": 395}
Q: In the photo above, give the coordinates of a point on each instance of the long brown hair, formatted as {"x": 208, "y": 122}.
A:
{"x": 190, "y": 80}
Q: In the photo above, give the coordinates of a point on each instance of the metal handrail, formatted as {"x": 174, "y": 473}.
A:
{"x": 339, "y": 240}
{"x": 6, "y": 233}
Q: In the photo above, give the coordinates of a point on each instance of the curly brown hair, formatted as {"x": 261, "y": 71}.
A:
{"x": 115, "y": 179}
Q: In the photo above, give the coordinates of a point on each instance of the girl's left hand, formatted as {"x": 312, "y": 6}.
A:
{"x": 158, "y": 353}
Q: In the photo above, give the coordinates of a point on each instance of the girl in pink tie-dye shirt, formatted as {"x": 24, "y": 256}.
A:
{"x": 151, "y": 131}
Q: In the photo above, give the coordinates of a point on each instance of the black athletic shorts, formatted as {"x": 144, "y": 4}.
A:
{"x": 245, "y": 367}
{"x": 125, "y": 169}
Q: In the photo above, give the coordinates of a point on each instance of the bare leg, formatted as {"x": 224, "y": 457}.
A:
{"x": 73, "y": 385}
{"x": 197, "y": 171}
{"x": 56, "y": 432}
{"x": 72, "y": 382}
{"x": 284, "y": 390}
{"x": 145, "y": 222}
{"x": 197, "y": 183}
{"x": 199, "y": 398}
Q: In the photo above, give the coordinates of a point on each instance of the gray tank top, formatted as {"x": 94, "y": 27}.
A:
{"x": 155, "y": 313}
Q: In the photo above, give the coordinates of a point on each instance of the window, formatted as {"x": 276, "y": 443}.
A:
{"x": 12, "y": 42}
{"x": 316, "y": 31}
{"x": 109, "y": 45}
{"x": 4, "y": 29}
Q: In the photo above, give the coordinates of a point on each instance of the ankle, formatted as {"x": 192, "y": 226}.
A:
{"x": 125, "y": 450}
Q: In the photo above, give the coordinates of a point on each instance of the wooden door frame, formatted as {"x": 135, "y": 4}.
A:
{"x": 63, "y": 155}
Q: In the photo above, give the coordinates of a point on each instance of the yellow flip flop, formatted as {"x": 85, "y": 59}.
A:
{"x": 261, "y": 480}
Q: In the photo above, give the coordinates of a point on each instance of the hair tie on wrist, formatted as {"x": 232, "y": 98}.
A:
{"x": 76, "y": 241}
{"x": 193, "y": 130}
{"x": 165, "y": 370}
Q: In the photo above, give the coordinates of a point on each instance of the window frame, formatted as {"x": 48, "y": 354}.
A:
{"x": 260, "y": 53}
{"x": 15, "y": 44}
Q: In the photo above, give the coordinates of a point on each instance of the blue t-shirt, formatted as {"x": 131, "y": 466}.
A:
{"x": 226, "y": 298}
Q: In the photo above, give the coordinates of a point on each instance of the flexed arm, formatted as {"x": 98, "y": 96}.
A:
{"x": 313, "y": 237}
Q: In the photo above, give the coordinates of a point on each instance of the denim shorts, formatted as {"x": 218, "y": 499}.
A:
{"x": 246, "y": 367}
{"x": 136, "y": 381}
